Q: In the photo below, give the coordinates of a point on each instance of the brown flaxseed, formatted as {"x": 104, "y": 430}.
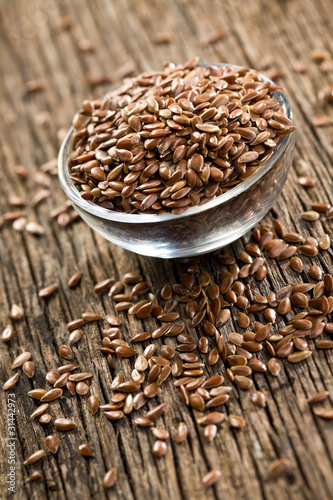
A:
{"x": 159, "y": 448}
{"x": 47, "y": 291}
{"x": 16, "y": 312}
{"x": 86, "y": 450}
{"x": 211, "y": 478}
{"x": 37, "y": 455}
{"x": 318, "y": 397}
{"x": 34, "y": 476}
{"x": 279, "y": 468}
{"x": 110, "y": 478}
{"x": 21, "y": 359}
{"x": 7, "y": 333}
{"x": 11, "y": 382}
{"x": 64, "y": 424}
{"x": 45, "y": 419}
{"x": 326, "y": 413}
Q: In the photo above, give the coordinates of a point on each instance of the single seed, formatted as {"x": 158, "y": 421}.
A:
{"x": 86, "y": 450}
{"x": 7, "y": 333}
{"x": 320, "y": 207}
{"x": 318, "y": 397}
{"x": 279, "y": 468}
{"x": 236, "y": 422}
{"x": 326, "y": 413}
{"x": 274, "y": 366}
{"x": 299, "y": 300}
{"x": 21, "y": 359}
{"x": 47, "y": 291}
{"x": 132, "y": 278}
{"x": 159, "y": 448}
{"x": 65, "y": 352}
{"x": 11, "y": 382}
{"x": 298, "y": 356}
{"x": 76, "y": 323}
{"x": 82, "y": 388}
{"x": 103, "y": 286}
{"x": 243, "y": 382}
{"x": 211, "y": 418}
{"x": 45, "y": 419}
{"x": 67, "y": 368}
{"x": 16, "y": 312}
{"x": 36, "y": 393}
{"x": 181, "y": 433}
{"x": 310, "y": 215}
{"x": 41, "y": 409}
{"x": 91, "y": 316}
{"x": 324, "y": 242}
{"x": 52, "y": 443}
{"x": 308, "y": 250}
{"x": 34, "y": 476}
{"x": 324, "y": 344}
{"x": 110, "y": 478}
{"x": 64, "y": 424}
{"x": 156, "y": 411}
{"x": 51, "y": 395}
{"x": 259, "y": 399}
{"x": 75, "y": 279}
{"x": 74, "y": 337}
{"x": 211, "y": 478}
{"x": 34, "y": 457}
{"x": 160, "y": 433}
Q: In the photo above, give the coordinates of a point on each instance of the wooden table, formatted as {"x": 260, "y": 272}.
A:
{"x": 40, "y": 40}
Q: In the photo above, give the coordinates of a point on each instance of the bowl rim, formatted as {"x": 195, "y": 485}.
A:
{"x": 73, "y": 194}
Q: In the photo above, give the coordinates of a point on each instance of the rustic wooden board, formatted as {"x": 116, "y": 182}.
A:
{"x": 33, "y": 46}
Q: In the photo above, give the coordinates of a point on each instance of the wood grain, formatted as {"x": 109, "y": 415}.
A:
{"x": 33, "y": 46}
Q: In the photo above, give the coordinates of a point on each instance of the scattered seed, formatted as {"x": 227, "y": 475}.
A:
{"x": 236, "y": 422}
{"x": 51, "y": 395}
{"x": 41, "y": 409}
{"x": 7, "y": 334}
{"x": 11, "y": 382}
{"x": 104, "y": 286}
{"x": 16, "y": 312}
{"x": 326, "y": 413}
{"x": 64, "y": 424}
{"x": 45, "y": 419}
{"x": 110, "y": 478}
{"x": 211, "y": 478}
{"x": 86, "y": 450}
{"x": 310, "y": 215}
{"x": 34, "y": 457}
{"x": 279, "y": 468}
{"x": 36, "y": 393}
{"x": 20, "y": 360}
{"x": 159, "y": 448}
{"x": 318, "y": 397}
{"x": 34, "y": 476}
{"x": 65, "y": 352}
{"x": 181, "y": 433}
{"x": 47, "y": 291}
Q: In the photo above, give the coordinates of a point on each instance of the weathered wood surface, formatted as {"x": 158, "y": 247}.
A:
{"x": 259, "y": 34}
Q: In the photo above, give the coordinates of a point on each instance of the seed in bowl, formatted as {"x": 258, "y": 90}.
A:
{"x": 171, "y": 139}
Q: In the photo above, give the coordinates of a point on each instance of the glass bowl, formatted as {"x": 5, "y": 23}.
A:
{"x": 199, "y": 229}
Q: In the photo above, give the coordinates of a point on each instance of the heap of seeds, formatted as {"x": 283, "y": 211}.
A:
{"x": 203, "y": 339}
{"x": 171, "y": 139}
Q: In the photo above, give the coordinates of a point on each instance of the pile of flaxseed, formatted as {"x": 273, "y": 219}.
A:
{"x": 168, "y": 140}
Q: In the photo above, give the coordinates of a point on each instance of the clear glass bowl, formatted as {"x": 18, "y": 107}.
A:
{"x": 199, "y": 229}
